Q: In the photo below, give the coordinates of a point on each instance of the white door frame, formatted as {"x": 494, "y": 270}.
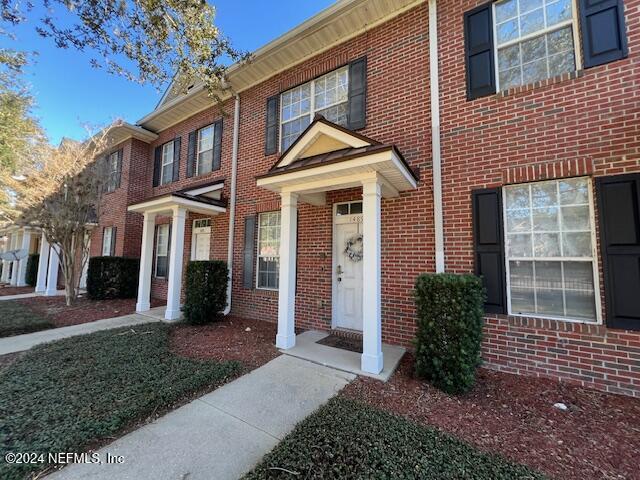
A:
{"x": 334, "y": 260}
{"x": 194, "y": 233}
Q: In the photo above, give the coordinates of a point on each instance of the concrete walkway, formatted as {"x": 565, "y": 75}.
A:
{"x": 27, "y": 295}
{"x": 25, "y": 342}
{"x": 223, "y": 434}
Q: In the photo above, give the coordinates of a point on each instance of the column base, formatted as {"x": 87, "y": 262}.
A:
{"x": 285, "y": 341}
{"x": 50, "y": 293}
{"x": 172, "y": 315}
{"x": 40, "y": 290}
{"x": 143, "y": 307}
{"x": 371, "y": 363}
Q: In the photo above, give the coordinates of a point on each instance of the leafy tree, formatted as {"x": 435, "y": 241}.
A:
{"x": 61, "y": 193}
{"x": 143, "y": 40}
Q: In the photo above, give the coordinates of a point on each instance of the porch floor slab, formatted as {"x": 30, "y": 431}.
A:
{"x": 307, "y": 348}
{"x": 157, "y": 313}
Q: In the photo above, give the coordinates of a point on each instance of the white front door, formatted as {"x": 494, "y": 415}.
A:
{"x": 201, "y": 244}
{"x": 347, "y": 272}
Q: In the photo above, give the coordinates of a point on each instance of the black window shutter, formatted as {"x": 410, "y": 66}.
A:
{"x": 478, "y": 49}
{"x": 114, "y": 233}
{"x": 488, "y": 240}
{"x": 249, "y": 251}
{"x": 191, "y": 154}
{"x": 217, "y": 144}
{"x": 272, "y": 122}
{"x": 357, "y": 110}
{"x": 176, "y": 158}
{"x": 157, "y": 166}
{"x": 119, "y": 174}
{"x": 619, "y": 209}
{"x": 604, "y": 35}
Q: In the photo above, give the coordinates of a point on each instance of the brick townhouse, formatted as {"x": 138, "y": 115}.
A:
{"x": 381, "y": 140}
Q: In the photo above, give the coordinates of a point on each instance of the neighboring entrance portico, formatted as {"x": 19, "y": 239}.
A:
{"x": 328, "y": 157}
{"x": 202, "y": 200}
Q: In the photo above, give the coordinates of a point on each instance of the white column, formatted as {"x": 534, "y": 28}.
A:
{"x": 43, "y": 262}
{"x": 6, "y": 263}
{"x": 22, "y": 263}
{"x": 52, "y": 272}
{"x": 146, "y": 263}
{"x": 286, "y": 337}
{"x": 14, "y": 267}
{"x": 371, "y": 360}
{"x": 176, "y": 255}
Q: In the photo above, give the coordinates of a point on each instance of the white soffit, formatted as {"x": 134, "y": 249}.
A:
{"x": 336, "y": 24}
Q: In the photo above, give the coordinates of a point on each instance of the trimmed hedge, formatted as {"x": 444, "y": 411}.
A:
{"x": 31, "y": 277}
{"x": 205, "y": 291}
{"x": 112, "y": 277}
{"x": 450, "y": 314}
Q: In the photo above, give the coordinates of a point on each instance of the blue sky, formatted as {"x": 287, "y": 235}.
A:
{"x": 70, "y": 93}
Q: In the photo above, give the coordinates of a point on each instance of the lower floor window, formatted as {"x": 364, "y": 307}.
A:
{"x": 108, "y": 241}
{"x": 549, "y": 249}
{"x": 162, "y": 250}
{"x": 269, "y": 250}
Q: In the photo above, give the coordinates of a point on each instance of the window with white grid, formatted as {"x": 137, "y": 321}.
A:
{"x": 268, "y": 250}
{"x": 534, "y": 40}
{"x": 327, "y": 95}
{"x": 549, "y": 249}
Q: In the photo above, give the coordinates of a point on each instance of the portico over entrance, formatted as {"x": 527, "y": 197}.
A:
{"x": 176, "y": 205}
{"x": 324, "y": 158}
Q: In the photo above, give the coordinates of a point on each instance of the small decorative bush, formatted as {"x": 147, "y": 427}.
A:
{"x": 112, "y": 277}
{"x": 205, "y": 291}
{"x": 449, "y": 316}
{"x": 31, "y": 277}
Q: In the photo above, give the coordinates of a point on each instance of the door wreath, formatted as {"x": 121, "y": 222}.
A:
{"x": 354, "y": 248}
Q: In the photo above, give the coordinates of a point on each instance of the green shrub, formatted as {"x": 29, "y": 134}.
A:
{"x": 112, "y": 277}
{"x": 31, "y": 277}
{"x": 205, "y": 291}
{"x": 449, "y": 317}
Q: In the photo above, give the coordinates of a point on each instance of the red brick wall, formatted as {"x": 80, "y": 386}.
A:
{"x": 398, "y": 113}
{"x": 580, "y": 124}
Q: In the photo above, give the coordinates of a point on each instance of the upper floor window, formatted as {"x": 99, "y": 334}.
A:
{"x": 204, "y": 152}
{"x": 166, "y": 175}
{"x": 534, "y": 40}
{"x": 113, "y": 167}
{"x": 327, "y": 95}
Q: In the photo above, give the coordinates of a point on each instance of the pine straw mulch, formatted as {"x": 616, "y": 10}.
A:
{"x": 598, "y": 437}
{"x": 6, "y": 290}
{"x": 232, "y": 338}
{"x": 82, "y": 311}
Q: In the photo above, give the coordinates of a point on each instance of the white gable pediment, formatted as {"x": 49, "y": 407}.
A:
{"x": 322, "y": 137}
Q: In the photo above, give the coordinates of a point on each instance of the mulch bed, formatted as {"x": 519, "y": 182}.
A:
{"x": 6, "y": 290}
{"x": 249, "y": 341}
{"x": 83, "y": 310}
{"x": 598, "y": 437}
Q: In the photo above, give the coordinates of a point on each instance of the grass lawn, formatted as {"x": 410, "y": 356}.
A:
{"x": 347, "y": 439}
{"x": 16, "y": 319}
{"x": 78, "y": 392}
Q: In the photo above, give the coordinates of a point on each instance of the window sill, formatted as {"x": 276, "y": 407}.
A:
{"x": 565, "y": 77}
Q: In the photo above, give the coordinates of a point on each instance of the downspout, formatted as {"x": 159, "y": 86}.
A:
{"x": 232, "y": 200}
{"x": 434, "y": 85}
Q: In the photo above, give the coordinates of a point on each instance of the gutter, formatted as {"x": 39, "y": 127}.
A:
{"x": 434, "y": 83}
{"x": 232, "y": 200}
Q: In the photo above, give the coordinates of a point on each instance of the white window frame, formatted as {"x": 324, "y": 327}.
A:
{"x": 104, "y": 236}
{"x": 155, "y": 269}
{"x": 574, "y": 22}
{"x": 113, "y": 171}
{"x": 312, "y": 100}
{"x": 200, "y": 226}
{"x": 198, "y": 151}
{"x": 258, "y": 256}
{"x": 594, "y": 261}
{"x": 166, "y": 164}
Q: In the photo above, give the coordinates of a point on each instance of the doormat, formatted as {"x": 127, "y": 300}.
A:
{"x": 344, "y": 343}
